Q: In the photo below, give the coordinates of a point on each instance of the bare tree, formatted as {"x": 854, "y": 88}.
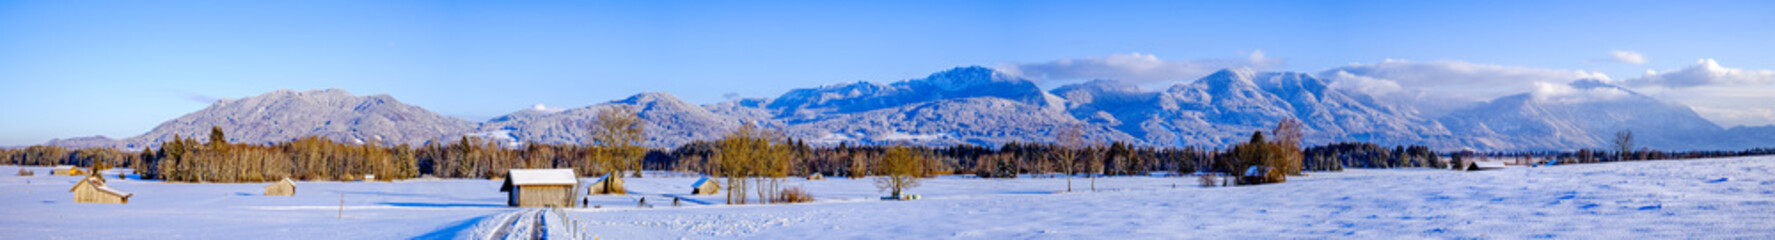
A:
{"x": 901, "y": 166}
{"x": 619, "y": 131}
{"x": 1623, "y": 144}
{"x": 1288, "y": 134}
{"x": 1066, "y": 154}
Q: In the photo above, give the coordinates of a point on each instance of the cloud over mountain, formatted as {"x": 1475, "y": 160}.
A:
{"x": 1705, "y": 72}
{"x": 1728, "y": 96}
{"x": 1456, "y": 79}
{"x": 1135, "y": 68}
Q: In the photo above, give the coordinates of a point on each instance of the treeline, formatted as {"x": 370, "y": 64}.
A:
{"x": 1338, "y": 156}
{"x": 41, "y": 155}
{"x": 759, "y": 158}
{"x": 1588, "y": 156}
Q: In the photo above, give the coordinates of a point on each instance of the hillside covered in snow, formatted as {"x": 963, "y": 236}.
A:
{"x": 983, "y": 106}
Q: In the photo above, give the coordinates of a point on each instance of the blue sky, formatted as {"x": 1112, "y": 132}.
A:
{"x": 119, "y": 68}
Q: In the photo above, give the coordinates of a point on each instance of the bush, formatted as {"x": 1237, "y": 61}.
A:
{"x": 792, "y": 195}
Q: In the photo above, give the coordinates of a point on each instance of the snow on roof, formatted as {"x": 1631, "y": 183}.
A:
{"x": 99, "y": 183}
{"x": 1489, "y": 164}
{"x": 561, "y": 176}
{"x": 63, "y": 167}
{"x": 114, "y": 191}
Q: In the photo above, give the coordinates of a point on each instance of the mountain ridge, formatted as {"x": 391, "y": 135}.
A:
{"x": 978, "y": 105}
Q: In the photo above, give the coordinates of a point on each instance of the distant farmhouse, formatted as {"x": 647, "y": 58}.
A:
{"x": 1486, "y": 165}
{"x": 705, "y": 186}
{"x": 540, "y": 187}
{"x": 65, "y": 170}
{"x": 284, "y": 187}
{"x": 612, "y": 183}
{"x": 92, "y": 189}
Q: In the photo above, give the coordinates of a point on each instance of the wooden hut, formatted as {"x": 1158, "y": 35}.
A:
{"x": 283, "y": 187}
{"x": 816, "y": 176}
{"x": 92, "y": 189}
{"x": 65, "y": 170}
{"x": 612, "y": 183}
{"x": 1486, "y": 165}
{"x": 705, "y": 186}
{"x": 25, "y": 173}
{"x": 540, "y": 187}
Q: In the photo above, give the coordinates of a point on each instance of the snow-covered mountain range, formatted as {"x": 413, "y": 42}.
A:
{"x": 977, "y": 105}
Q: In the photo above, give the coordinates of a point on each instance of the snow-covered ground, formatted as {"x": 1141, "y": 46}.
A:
{"x": 1716, "y": 198}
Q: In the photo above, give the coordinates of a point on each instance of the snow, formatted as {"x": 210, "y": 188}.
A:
{"x": 1714, "y": 198}
{"x": 543, "y": 177}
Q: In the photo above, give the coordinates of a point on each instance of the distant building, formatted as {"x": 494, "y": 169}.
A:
{"x": 283, "y": 187}
{"x": 25, "y": 173}
{"x": 705, "y": 186}
{"x": 1486, "y": 165}
{"x": 92, "y": 189}
{"x": 612, "y": 183}
{"x": 540, "y": 187}
{"x": 65, "y": 170}
{"x": 816, "y": 176}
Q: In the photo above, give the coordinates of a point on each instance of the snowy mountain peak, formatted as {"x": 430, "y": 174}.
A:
{"x": 1228, "y": 79}
{"x": 962, "y": 78}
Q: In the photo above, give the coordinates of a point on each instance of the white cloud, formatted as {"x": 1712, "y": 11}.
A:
{"x": 1622, "y": 56}
{"x": 547, "y": 109}
{"x": 1558, "y": 92}
{"x": 1453, "y": 79}
{"x": 1704, "y": 72}
{"x": 1135, "y": 68}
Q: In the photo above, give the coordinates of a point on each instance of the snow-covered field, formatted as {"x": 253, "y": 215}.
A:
{"x": 1710, "y": 199}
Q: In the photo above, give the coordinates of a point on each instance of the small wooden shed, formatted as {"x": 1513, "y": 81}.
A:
{"x": 92, "y": 189}
{"x": 65, "y": 170}
{"x": 816, "y": 176}
{"x": 612, "y": 183}
{"x": 540, "y": 187}
{"x": 283, "y": 187}
{"x": 1486, "y": 165}
{"x": 705, "y": 186}
{"x": 25, "y": 173}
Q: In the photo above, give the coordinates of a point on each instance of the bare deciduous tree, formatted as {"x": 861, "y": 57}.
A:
{"x": 1623, "y": 144}
{"x": 618, "y": 131}
{"x": 901, "y": 168}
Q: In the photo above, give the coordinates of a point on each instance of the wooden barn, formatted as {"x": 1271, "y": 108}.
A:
{"x": 92, "y": 189}
{"x": 705, "y": 186}
{"x": 540, "y": 187}
{"x": 1487, "y": 165}
{"x": 65, "y": 170}
{"x": 612, "y": 183}
{"x": 283, "y": 187}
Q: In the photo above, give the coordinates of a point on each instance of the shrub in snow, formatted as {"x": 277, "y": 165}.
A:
{"x": 793, "y": 195}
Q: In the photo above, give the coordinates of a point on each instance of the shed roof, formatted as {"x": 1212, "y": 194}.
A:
{"x": 99, "y": 183}
{"x": 561, "y": 176}
{"x": 521, "y": 177}
{"x": 699, "y": 182}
